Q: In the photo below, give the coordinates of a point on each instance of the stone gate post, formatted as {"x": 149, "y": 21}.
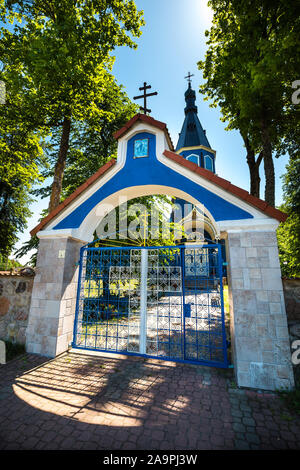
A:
{"x": 259, "y": 332}
{"x": 52, "y": 310}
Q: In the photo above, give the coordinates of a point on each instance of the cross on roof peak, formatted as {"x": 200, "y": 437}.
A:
{"x": 145, "y": 95}
{"x": 188, "y": 77}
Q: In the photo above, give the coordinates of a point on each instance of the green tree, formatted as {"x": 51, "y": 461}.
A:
{"x": 91, "y": 145}
{"x": 63, "y": 49}
{"x": 91, "y": 142}
{"x": 249, "y": 68}
{"x": 288, "y": 233}
{"x": 21, "y": 158}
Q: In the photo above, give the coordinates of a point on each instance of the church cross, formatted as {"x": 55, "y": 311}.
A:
{"x": 145, "y": 95}
{"x": 189, "y": 75}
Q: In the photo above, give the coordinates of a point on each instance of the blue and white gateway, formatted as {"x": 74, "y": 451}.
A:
{"x": 163, "y": 302}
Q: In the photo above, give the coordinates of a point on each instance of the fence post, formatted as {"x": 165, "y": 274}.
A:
{"x": 143, "y": 304}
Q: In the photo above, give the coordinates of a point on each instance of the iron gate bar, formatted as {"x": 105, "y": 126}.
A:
{"x": 216, "y": 275}
{"x": 182, "y": 259}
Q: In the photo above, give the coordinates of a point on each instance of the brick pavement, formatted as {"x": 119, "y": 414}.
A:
{"x": 79, "y": 401}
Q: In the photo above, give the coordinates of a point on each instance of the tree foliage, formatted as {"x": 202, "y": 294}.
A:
{"x": 63, "y": 101}
{"x": 21, "y": 158}
{"x": 249, "y": 68}
{"x": 62, "y": 50}
{"x": 288, "y": 233}
{"x": 91, "y": 142}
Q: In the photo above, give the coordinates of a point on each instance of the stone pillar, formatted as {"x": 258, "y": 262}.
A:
{"x": 259, "y": 332}
{"x": 52, "y": 310}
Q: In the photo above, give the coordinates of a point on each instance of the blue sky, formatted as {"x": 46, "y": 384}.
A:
{"x": 172, "y": 43}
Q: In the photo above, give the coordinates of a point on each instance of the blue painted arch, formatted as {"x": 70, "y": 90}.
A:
{"x": 149, "y": 171}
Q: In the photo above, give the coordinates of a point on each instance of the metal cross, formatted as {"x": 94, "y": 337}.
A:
{"x": 189, "y": 75}
{"x": 145, "y": 95}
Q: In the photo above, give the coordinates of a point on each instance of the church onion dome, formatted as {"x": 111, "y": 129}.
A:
{"x": 192, "y": 133}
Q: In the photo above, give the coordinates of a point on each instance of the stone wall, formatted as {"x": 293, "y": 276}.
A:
{"x": 291, "y": 290}
{"x": 51, "y": 319}
{"x": 259, "y": 332}
{"x": 15, "y": 298}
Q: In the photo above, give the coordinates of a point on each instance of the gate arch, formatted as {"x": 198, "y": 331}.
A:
{"x": 247, "y": 223}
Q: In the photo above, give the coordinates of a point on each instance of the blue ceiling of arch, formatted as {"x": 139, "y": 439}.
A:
{"x": 149, "y": 171}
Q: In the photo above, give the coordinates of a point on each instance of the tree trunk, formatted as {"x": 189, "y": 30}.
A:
{"x": 253, "y": 167}
{"x": 60, "y": 165}
{"x": 268, "y": 166}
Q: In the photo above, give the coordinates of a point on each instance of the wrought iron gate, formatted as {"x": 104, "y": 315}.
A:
{"x": 162, "y": 302}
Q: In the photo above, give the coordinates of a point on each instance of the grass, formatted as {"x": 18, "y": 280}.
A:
{"x": 13, "y": 350}
{"x": 226, "y": 299}
{"x": 291, "y": 398}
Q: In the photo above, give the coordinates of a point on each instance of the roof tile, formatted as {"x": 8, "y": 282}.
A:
{"x": 231, "y": 188}
{"x": 103, "y": 169}
{"x": 149, "y": 120}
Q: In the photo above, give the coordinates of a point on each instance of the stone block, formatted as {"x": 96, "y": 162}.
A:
{"x": 247, "y": 349}
{"x": 234, "y": 240}
{"x": 282, "y": 351}
{"x": 246, "y": 278}
{"x": 253, "y": 262}
{"x": 68, "y": 324}
{"x": 244, "y": 366}
{"x": 254, "y": 273}
{"x": 245, "y": 301}
{"x": 280, "y": 320}
{"x": 271, "y": 278}
{"x": 2, "y": 352}
{"x": 262, "y": 252}
{"x": 48, "y": 346}
{"x": 51, "y": 309}
{"x": 267, "y": 356}
{"x": 62, "y": 344}
{"x": 283, "y": 372}
{"x": 246, "y": 239}
{"x": 236, "y": 273}
{"x": 263, "y": 308}
{"x": 237, "y": 284}
{"x": 255, "y": 284}
{"x": 245, "y": 325}
{"x": 263, "y": 262}
{"x": 262, "y": 376}
{"x": 284, "y": 384}
{"x": 53, "y": 291}
{"x": 275, "y": 295}
{"x": 263, "y": 239}
{"x": 238, "y": 257}
{"x": 251, "y": 253}
{"x": 272, "y": 326}
{"x": 282, "y": 332}
{"x": 275, "y": 307}
{"x": 243, "y": 379}
{"x": 34, "y": 348}
{"x": 263, "y": 331}
{"x": 267, "y": 345}
{"x": 262, "y": 296}
{"x": 261, "y": 320}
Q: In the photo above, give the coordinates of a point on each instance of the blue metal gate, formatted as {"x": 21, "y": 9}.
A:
{"x": 161, "y": 302}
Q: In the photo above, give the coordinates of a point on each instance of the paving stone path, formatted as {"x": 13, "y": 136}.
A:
{"x": 80, "y": 401}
